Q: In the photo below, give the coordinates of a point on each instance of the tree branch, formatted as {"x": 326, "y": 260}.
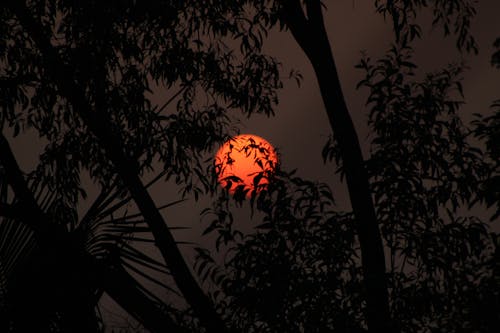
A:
{"x": 296, "y": 21}
{"x": 314, "y": 12}
{"x": 115, "y": 280}
{"x": 122, "y": 288}
{"x": 15, "y": 179}
{"x": 99, "y": 125}
{"x": 372, "y": 254}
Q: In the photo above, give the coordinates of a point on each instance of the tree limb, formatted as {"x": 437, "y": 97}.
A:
{"x": 115, "y": 280}
{"x": 99, "y": 125}
{"x": 372, "y": 254}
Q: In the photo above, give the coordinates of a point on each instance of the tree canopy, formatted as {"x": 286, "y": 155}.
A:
{"x": 84, "y": 77}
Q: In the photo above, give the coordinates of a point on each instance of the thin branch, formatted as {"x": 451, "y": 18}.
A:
{"x": 127, "y": 169}
{"x": 319, "y": 52}
{"x": 15, "y": 179}
{"x": 170, "y": 100}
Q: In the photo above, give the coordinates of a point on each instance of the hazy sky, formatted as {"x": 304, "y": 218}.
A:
{"x": 300, "y": 128}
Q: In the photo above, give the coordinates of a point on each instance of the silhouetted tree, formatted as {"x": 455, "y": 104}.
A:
{"x": 421, "y": 171}
{"x": 81, "y": 76}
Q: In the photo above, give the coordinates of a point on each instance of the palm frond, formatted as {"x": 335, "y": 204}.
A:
{"x": 111, "y": 230}
{"x": 149, "y": 278}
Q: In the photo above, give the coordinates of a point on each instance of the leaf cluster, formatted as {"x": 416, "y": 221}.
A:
{"x": 299, "y": 269}
{"x": 453, "y": 16}
{"x": 122, "y": 56}
{"x": 424, "y": 173}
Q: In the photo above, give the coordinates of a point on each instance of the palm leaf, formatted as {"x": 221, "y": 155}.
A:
{"x": 111, "y": 230}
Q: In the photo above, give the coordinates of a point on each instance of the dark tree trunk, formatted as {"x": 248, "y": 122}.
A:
{"x": 311, "y": 35}
{"x": 60, "y": 276}
{"x": 125, "y": 168}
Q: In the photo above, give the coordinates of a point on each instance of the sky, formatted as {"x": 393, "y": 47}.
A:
{"x": 300, "y": 128}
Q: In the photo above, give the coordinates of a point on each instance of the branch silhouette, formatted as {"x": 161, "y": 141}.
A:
{"x": 319, "y": 52}
{"x": 125, "y": 168}
{"x": 111, "y": 278}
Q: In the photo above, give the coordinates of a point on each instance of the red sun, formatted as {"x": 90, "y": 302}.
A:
{"x": 244, "y": 161}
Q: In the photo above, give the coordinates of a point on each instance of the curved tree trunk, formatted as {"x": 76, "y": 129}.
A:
{"x": 125, "y": 168}
{"x": 311, "y": 36}
{"x": 84, "y": 271}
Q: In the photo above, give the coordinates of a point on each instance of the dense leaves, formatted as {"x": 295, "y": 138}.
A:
{"x": 120, "y": 58}
{"x": 453, "y": 16}
{"x": 298, "y": 270}
{"x": 170, "y": 78}
{"x": 425, "y": 172}
{"x": 487, "y": 128}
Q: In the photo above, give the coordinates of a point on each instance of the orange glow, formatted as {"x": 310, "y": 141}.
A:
{"x": 243, "y": 158}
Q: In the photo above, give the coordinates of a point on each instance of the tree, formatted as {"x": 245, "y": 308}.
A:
{"x": 80, "y": 75}
{"x": 418, "y": 136}
{"x": 84, "y": 91}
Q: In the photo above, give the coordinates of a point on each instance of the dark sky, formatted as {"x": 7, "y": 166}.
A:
{"x": 300, "y": 128}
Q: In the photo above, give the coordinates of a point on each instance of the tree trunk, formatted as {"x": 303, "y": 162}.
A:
{"x": 311, "y": 36}
{"x": 79, "y": 273}
{"x": 125, "y": 168}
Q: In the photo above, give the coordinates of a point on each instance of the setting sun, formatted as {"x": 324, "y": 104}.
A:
{"x": 245, "y": 161}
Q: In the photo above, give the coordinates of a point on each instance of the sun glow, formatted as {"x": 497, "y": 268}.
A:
{"x": 245, "y": 162}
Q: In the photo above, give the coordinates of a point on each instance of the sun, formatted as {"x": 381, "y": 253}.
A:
{"x": 245, "y": 162}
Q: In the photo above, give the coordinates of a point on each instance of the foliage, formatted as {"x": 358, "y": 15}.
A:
{"x": 424, "y": 170}
{"x": 424, "y": 174}
{"x": 453, "y": 16}
{"x": 298, "y": 270}
{"x": 120, "y": 56}
{"x": 487, "y": 128}
{"x": 117, "y": 59}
